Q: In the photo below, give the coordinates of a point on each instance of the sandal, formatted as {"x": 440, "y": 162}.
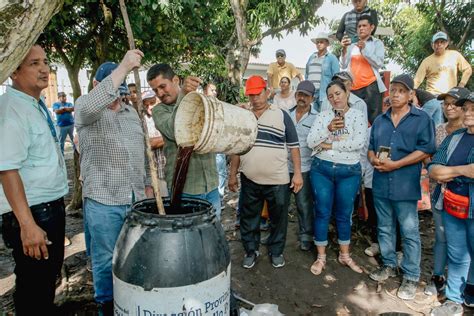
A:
{"x": 318, "y": 266}
{"x": 346, "y": 260}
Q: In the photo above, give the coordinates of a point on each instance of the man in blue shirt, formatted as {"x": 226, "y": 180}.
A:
{"x": 34, "y": 181}
{"x": 407, "y": 134}
{"x": 64, "y": 119}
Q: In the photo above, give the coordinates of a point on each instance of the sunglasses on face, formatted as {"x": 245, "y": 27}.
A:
{"x": 280, "y": 55}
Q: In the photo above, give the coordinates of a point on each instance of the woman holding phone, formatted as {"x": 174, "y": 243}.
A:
{"x": 337, "y": 137}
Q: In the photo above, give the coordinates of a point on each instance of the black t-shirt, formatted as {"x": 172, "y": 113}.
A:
{"x": 423, "y": 96}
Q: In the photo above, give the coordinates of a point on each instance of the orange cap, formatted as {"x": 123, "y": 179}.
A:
{"x": 254, "y": 85}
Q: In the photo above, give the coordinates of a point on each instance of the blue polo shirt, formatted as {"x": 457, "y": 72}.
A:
{"x": 416, "y": 131}
{"x": 64, "y": 119}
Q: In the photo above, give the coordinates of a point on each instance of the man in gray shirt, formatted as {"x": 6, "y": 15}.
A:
{"x": 112, "y": 166}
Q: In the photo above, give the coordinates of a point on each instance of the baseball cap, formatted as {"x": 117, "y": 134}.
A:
{"x": 306, "y": 87}
{"x": 254, "y": 85}
{"x": 456, "y": 92}
{"x": 405, "y": 80}
{"x": 61, "y": 94}
{"x": 148, "y": 94}
{"x": 320, "y": 36}
{"x": 343, "y": 75}
{"x": 439, "y": 35}
{"x": 280, "y": 51}
{"x": 105, "y": 70}
{"x": 469, "y": 97}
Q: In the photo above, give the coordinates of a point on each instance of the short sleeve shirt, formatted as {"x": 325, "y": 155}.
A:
{"x": 415, "y": 131}
{"x": 66, "y": 118}
{"x": 266, "y": 163}
{"x": 278, "y": 72}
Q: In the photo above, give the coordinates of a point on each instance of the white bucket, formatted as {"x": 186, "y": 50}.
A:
{"x": 214, "y": 126}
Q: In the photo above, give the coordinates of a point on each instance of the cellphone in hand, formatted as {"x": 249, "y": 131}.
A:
{"x": 339, "y": 113}
{"x": 383, "y": 153}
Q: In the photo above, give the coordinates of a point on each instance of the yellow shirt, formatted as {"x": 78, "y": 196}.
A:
{"x": 278, "y": 72}
{"x": 441, "y": 72}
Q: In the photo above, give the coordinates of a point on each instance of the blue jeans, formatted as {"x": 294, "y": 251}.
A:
{"x": 212, "y": 197}
{"x": 440, "y": 252}
{"x": 434, "y": 110}
{"x": 64, "y": 131}
{"x": 405, "y": 212}
{"x": 104, "y": 223}
{"x": 334, "y": 187}
{"x": 305, "y": 205}
{"x": 221, "y": 163}
{"x": 460, "y": 240}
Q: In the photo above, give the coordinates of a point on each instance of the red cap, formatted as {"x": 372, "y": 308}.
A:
{"x": 254, "y": 85}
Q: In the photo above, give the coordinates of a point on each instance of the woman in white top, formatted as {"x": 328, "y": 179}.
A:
{"x": 337, "y": 138}
{"x": 285, "y": 98}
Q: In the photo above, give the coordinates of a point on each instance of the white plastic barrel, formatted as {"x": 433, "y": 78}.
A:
{"x": 214, "y": 126}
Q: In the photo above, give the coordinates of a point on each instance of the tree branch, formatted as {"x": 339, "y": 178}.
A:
{"x": 465, "y": 35}
{"x": 439, "y": 16}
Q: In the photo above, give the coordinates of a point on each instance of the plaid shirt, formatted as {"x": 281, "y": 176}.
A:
{"x": 348, "y": 22}
{"x": 158, "y": 153}
{"x": 202, "y": 173}
{"x": 113, "y": 164}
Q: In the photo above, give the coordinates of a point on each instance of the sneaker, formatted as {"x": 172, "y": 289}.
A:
{"x": 89, "y": 264}
{"x": 306, "y": 245}
{"x": 373, "y": 250}
{"x": 449, "y": 308}
{"x": 436, "y": 285}
{"x": 407, "y": 290}
{"x": 278, "y": 261}
{"x": 383, "y": 273}
{"x": 250, "y": 259}
{"x": 264, "y": 225}
{"x": 469, "y": 295}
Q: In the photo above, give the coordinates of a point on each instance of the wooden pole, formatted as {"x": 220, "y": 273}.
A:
{"x": 141, "y": 111}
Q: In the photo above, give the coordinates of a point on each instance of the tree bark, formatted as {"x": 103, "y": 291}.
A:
{"x": 76, "y": 199}
{"x": 21, "y": 23}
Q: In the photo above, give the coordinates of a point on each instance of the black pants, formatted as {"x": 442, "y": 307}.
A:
{"x": 252, "y": 196}
{"x": 305, "y": 206}
{"x": 373, "y": 98}
{"x": 36, "y": 279}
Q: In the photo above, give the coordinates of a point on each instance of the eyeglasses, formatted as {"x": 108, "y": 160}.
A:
{"x": 448, "y": 105}
{"x": 280, "y": 55}
{"x": 321, "y": 42}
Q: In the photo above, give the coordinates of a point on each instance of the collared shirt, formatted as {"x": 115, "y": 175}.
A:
{"x": 374, "y": 53}
{"x": 348, "y": 24}
{"x": 267, "y": 162}
{"x": 112, "y": 146}
{"x": 202, "y": 173}
{"x": 66, "y": 118}
{"x": 278, "y": 72}
{"x": 320, "y": 71}
{"x": 415, "y": 131}
{"x": 158, "y": 153}
{"x": 441, "y": 157}
{"x": 302, "y": 129}
{"x": 27, "y": 145}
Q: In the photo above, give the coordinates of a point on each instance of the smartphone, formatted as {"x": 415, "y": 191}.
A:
{"x": 383, "y": 153}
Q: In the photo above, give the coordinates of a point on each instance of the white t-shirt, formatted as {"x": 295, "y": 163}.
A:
{"x": 346, "y": 143}
{"x": 285, "y": 103}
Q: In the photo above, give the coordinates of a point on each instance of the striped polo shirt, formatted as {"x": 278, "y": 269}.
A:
{"x": 315, "y": 70}
{"x": 266, "y": 163}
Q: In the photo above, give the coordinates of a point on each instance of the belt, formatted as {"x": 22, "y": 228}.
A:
{"x": 36, "y": 210}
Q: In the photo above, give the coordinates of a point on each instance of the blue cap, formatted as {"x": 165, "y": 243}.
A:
{"x": 105, "y": 70}
{"x": 439, "y": 35}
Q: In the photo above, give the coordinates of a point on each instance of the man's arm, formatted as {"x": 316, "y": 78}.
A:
{"x": 156, "y": 142}
{"x": 341, "y": 28}
{"x": 466, "y": 70}
{"x": 374, "y": 52}
{"x": 445, "y": 174}
{"x": 420, "y": 74}
{"x": 297, "y": 180}
{"x": 233, "y": 170}
{"x": 388, "y": 165}
{"x": 33, "y": 238}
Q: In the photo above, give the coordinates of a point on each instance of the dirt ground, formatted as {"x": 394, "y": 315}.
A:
{"x": 337, "y": 291}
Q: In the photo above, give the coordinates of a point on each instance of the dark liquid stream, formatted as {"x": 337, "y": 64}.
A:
{"x": 179, "y": 178}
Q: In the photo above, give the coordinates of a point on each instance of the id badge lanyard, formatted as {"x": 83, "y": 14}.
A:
{"x": 44, "y": 110}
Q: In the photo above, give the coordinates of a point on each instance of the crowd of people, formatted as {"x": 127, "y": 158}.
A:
{"x": 330, "y": 142}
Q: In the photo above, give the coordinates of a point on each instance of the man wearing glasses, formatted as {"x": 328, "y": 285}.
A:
{"x": 279, "y": 69}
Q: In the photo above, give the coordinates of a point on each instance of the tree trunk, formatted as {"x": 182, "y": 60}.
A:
{"x": 73, "y": 75}
{"x": 76, "y": 199}
{"x": 21, "y": 23}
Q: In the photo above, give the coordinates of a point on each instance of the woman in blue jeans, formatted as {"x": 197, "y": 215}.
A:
{"x": 453, "y": 167}
{"x": 336, "y": 137}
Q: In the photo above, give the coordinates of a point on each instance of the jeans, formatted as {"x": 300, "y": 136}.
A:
{"x": 35, "y": 282}
{"x": 252, "y": 196}
{"x": 104, "y": 223}
{"x": 64, "y": 131}
{"x": 334, "y": 187}
{"x": 373, "y": 98}
{"x": 440, "y": 252}
{"x": 460, "y": 241}
{"x": 304, "y": 206}
{"x": 405, "y": 212}
{"x": 434, "y": 110}
{"x": 221, "y": 163}
{"x": 212, "y": 197}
